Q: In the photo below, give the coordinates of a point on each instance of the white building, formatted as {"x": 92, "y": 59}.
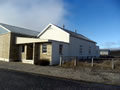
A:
{"x": 104, "y": 52}
{"x": 68, "y": 43}
{"x": 33, "y": 47}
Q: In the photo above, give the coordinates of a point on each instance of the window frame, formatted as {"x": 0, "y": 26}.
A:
{"x": 89, "y": 51}
{"x": 44, "y": 48}
{"x": 60, "y": 49}
{"x": 81, "y": 49}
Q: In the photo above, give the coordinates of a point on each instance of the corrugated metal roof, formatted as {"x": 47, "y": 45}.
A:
{"x": 20, "y": 30}
{"x": 76, "y": 34}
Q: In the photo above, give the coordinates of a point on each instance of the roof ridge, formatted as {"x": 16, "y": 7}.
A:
{"x": 71, "y": 32}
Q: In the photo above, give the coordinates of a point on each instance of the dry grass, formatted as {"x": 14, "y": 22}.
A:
{"x": 103, "y": 64}
{"x": 68, "y": 64}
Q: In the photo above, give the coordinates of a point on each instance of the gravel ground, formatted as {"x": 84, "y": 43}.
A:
{"x": 15, "y": 80}
{"x": 84, "y": 74}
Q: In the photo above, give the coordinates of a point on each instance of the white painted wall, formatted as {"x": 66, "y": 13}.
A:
{"x": 75, "y": 47}
{"x": 24, "y": 40}
{"x": 104, "y": 52}
{"x": 55, "y": 51}
{"x": 55, "y": 33}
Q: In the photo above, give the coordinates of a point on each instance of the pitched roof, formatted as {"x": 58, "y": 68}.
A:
{"x": 20, "y": 30}
{"x": 74, "y": 34}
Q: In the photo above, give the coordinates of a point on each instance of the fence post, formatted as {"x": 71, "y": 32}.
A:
{"x": 92, "y": 64}
{"x": 113, "y": 64}
{"x": 75, "y": 62}
{"x": 60, "y": 60}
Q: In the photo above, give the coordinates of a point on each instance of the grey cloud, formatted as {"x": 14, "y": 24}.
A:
{"x": 110, "y": 45}
{"x": 32, "y": 14}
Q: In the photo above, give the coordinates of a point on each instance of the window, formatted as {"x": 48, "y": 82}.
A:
{"x": 81, "y": 49}
{"x": 89, "y": 51}
{"x": 60, "y": 49}
{"x": 23, "y": 48}
{"x": 44, "y": 48}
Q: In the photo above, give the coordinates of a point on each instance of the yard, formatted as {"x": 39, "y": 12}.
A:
{"x": 101, "y": 63}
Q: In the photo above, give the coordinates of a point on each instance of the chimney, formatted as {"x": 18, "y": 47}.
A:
{"x": 75, "y": 31}
{"x": 63, "y": 26}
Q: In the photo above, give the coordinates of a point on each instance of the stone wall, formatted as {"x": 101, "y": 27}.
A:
{"x": 5, "y": 46}
{"x": 48, "y": 55}
{"x": 14, "y": 48}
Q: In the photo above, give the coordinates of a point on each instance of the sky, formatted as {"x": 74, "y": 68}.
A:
{"x": 99, "y": 20}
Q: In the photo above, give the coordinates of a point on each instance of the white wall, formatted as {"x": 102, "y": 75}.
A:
{"x": 75, "y": 47}
{"x": 55, "y": 33}
{"x": 55, "y": 51}
{"x": 104, "y": 52}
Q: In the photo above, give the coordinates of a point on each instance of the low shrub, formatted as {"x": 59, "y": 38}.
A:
{"x": 43, "y": 62}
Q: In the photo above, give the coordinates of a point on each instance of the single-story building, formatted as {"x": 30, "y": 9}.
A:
{"x": 112, "y": 52}
{"x": 28, "y": 46}
{"x": 104, "y": 52}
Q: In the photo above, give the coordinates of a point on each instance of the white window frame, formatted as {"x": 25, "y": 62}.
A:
{"x": 89, "y": 50}
{"x": 44, "y": 46}
{"x": 81, "y": 49}
{"x": 60, "y": 49}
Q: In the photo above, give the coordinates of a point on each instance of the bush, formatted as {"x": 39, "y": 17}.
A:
{"x": 43, "y": 62}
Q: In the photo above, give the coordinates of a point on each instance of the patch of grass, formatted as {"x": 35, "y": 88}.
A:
{"x": 68, "y": 64}
{"x": 103, "y": 64}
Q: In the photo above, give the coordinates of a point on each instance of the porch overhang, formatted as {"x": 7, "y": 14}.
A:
{"x": 23, "y": 40}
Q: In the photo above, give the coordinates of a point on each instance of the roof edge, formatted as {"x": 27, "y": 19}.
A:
{"x": 85, "y": 39}
{"x": 5, "y": 28}
{"x": 74, "y": 36}
{"x": 44, "y": 30}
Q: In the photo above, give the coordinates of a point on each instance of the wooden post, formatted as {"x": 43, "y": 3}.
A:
{"x": 25, "y": 50}
{"x": 60, "y": 60}
{"x": 112, "y": 64}
{"x": 92, "y": 64}
{"x": 33, "y": 52}
{"x": 75, "y": 62}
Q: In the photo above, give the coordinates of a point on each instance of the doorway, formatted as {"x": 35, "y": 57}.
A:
{"x": 29, "y": 54}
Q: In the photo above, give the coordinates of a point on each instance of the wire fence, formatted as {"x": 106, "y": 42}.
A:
{"x": 75, "y": 61}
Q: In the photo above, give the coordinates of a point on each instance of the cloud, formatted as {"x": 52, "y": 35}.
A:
{"x": 110, "y": 45}
{"x": 32, "y": 14}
